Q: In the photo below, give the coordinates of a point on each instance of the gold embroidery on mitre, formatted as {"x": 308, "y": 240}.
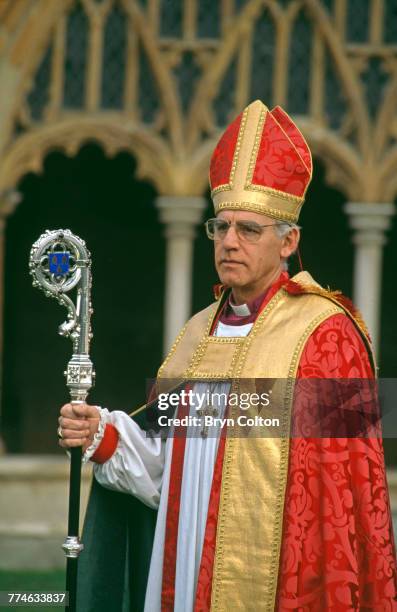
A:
{"x": 275, "y": 213}
{"x": 240, "y": 193}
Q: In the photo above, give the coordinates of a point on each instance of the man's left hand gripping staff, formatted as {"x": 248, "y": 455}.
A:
{"x": 78, "y": 424}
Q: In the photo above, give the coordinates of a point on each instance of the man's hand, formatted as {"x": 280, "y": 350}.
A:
{"x": 78, "y": 424}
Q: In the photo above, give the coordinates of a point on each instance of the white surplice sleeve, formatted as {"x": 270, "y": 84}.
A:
{"x": 136, "y": 467}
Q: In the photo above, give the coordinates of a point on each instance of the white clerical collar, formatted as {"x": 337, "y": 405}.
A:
{"x": 240, "y": 310}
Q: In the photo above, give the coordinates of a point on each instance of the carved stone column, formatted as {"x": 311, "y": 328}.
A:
{"x": 180, "y": 214}
{"x": 370, "y": 222}
{"x": 8, "y": 202}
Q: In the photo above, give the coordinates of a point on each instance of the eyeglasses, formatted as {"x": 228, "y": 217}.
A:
{"x": 249, "y": 231}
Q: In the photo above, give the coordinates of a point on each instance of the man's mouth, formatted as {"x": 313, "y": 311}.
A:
{"x": 232, "y": 262}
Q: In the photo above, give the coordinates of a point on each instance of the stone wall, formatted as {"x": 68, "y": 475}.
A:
{"x": 33, "y": 510}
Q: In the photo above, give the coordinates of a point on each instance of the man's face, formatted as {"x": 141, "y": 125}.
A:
{"x": 247, "y": 265}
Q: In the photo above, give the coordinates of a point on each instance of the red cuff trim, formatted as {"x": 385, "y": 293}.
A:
{"x": 108, "y": 445}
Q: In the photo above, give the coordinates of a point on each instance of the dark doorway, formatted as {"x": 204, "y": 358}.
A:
{"x": 100, "y": 200}
{"x": 326, "y": 245}
{"x": 388, "y": 336}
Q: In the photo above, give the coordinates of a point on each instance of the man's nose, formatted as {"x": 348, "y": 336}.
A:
{"x": 231, "y": 240}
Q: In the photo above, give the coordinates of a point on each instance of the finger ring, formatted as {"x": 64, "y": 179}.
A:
{"x": 59, "y": 432}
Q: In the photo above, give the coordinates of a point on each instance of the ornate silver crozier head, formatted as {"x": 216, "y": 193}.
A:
{"x": 59, "y": 263}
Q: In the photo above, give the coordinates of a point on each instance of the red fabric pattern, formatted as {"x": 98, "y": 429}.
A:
{"x": 295, "y": 288}
{"x": 294, "y": 135}
{"x": 222, "y": 157}
{"x": 204, "y": 583}
{"x": 172, "y": 521}
{"x": 338, "y": 549}
{"x": 107, "y": 446}
{"x": 278, "y": 164}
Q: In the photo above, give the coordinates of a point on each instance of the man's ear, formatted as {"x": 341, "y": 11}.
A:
{"x": 290, "y": 242}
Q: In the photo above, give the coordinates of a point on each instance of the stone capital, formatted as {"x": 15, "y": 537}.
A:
{"x": 364, "y": 216}
{"x": 370, "y": 222}
{"x": 180, "y": 214}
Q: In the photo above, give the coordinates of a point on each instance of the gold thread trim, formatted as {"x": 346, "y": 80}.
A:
{"x": 172, "y": 350}
{"x": 275, "y": 213}
{"x": 275, "y": 193}
{"x": 220, "y": 188}
{"x": 283, "y": 195}
{"x": 333, "y": 297}
{"x": 199, "y": 352}
{"x": 195, "y": 374}
{"x": 358, "y": 320}
{"x": 224, "y": 340}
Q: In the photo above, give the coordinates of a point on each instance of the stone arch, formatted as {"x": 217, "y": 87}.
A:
{"x": 22, "y": 54}
{"x": 28, "y": 152}
{"x": 183, "y": 149}
{"x": 155, "y": 153}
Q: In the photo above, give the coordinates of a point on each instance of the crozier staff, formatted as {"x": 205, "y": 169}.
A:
{"x": 60, "y": 263}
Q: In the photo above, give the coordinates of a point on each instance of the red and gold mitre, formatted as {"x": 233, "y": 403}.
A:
{"x": 262, "y": 164}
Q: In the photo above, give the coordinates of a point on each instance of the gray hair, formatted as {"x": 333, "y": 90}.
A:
{"x": 281, "y": 230}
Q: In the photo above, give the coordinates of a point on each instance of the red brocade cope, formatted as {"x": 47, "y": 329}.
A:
{"x": 337, "y": 549}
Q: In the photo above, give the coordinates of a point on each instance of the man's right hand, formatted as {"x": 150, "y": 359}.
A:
{"x": 78, "y": 424}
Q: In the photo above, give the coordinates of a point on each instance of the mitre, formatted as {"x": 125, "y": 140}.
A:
{"x": 262, "y": 164}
